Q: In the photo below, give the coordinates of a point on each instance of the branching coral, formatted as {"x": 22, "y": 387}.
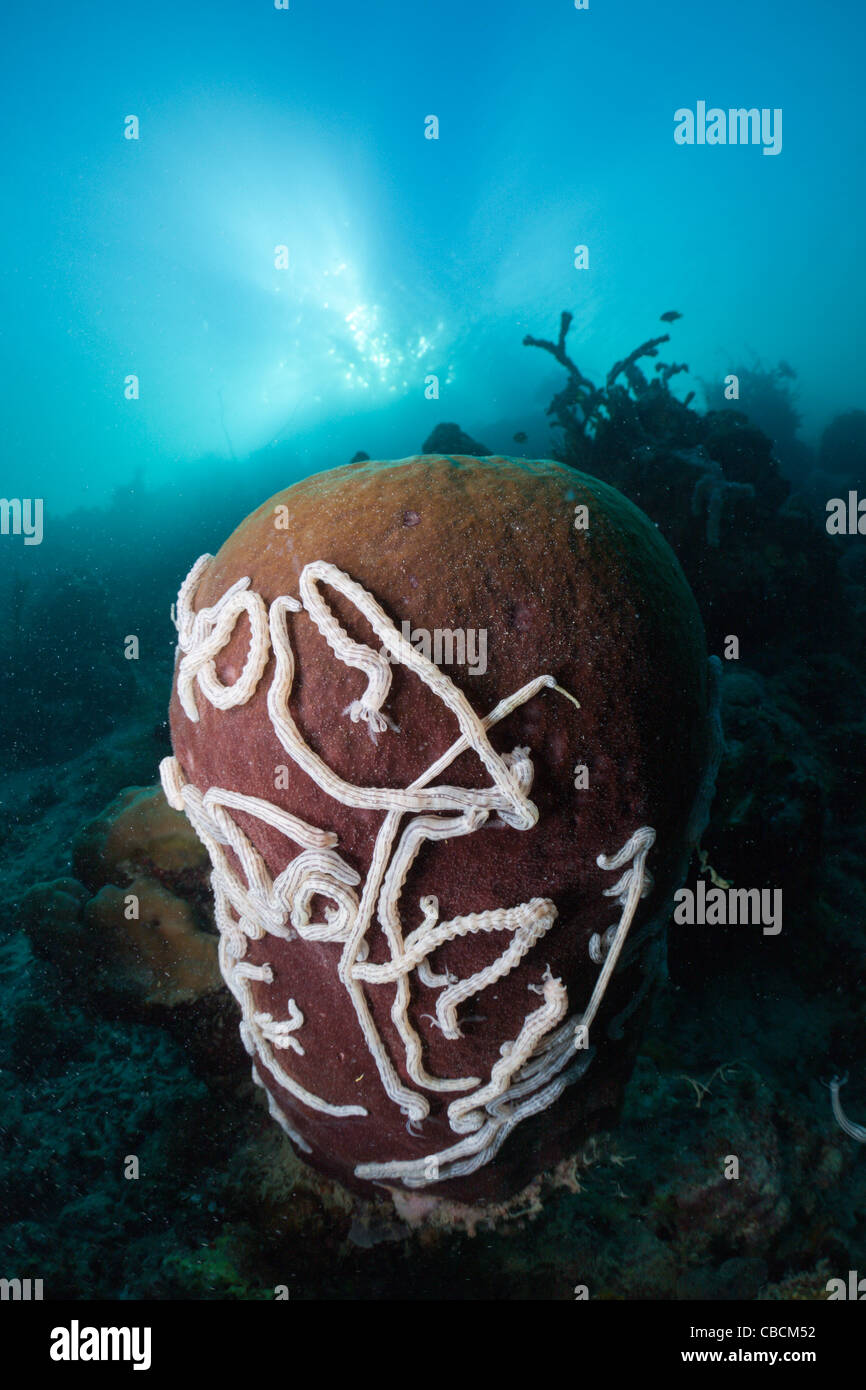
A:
{"x": 631, "y": 371}
{"x": 578, "y": 394}
{"x": 635, "y": 421}
{"x": 586, "y": 413}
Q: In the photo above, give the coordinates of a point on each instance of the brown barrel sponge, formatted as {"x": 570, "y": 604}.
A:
{"x": 444, "y": 727}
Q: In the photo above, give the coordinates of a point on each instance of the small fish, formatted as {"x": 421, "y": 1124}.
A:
{"x": 520, "y": 437}
{"x": 670, "y": 317}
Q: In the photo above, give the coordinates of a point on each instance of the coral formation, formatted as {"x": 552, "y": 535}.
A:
{"x": 133, "y": 928}
{"x": 751, "y": 558}
{"x": 357, "y": 1036}
{"x": 451, "y": 439}
{"x": 138, "y": 833}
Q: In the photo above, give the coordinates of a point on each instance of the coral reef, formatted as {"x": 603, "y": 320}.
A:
{"x": 767, "y": 396}
{"x": 752, "y": 559}
{"x": 741, "y": 1043}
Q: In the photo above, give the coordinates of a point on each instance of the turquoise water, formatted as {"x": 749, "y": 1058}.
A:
{"x": 406, "y": 256}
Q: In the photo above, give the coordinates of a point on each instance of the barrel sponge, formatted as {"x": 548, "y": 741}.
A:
{"x": 441, "y": 885}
